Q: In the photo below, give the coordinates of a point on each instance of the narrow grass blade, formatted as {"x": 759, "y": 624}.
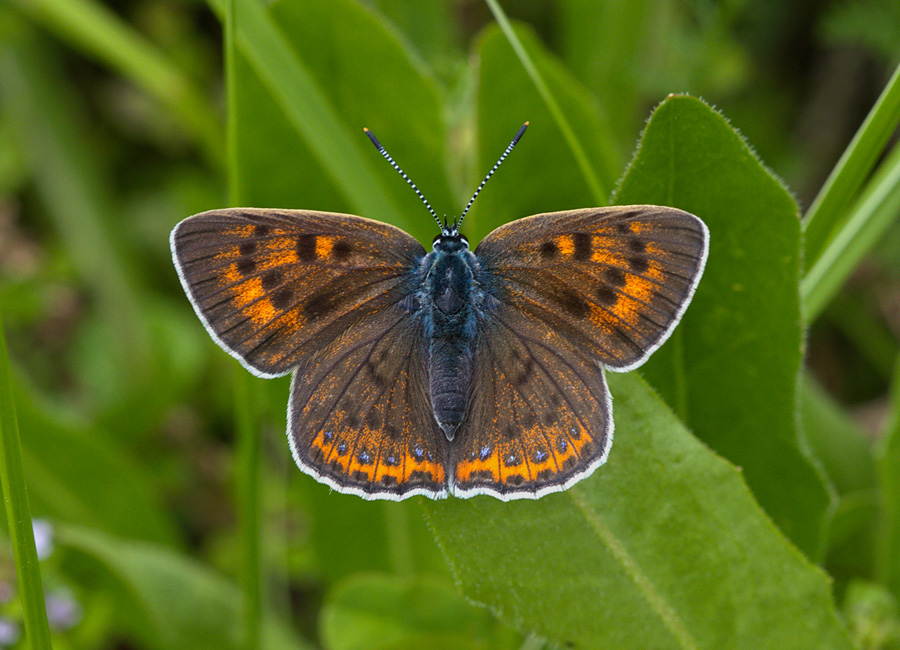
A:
{"x": 873, "y": 213}
{"x": 18, "y": 513}
{"x": 827, "y": 214}
{"x": 600, "y": 193}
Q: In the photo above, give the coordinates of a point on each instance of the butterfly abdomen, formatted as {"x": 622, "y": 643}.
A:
{"x": 449, "y": 293}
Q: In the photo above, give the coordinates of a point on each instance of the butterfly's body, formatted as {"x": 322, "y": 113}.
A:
{"x": 451, "y": 372}
{"x": 451, "y": 300}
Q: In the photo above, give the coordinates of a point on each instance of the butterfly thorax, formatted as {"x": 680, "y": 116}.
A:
{"x": 449, "y": 296}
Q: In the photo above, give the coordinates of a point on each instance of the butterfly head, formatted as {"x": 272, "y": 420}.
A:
{"x": 450, "y": 241}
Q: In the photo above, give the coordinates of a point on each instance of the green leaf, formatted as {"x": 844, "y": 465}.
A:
{"x": 542, "y": 175}
{"x": 386, "y": 612}
{"x": 730, "y": 369}
{"x": 167, "y": 600}
{"x": 79, "y": 473}
{"x": 663, "y": 547}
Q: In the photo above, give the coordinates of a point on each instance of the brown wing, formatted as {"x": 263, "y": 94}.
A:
{"x": 539, "y": 416}
{"x": 360, "y": 416}
{"x": 613, "y": 281}
{"x": 273, "y": 285}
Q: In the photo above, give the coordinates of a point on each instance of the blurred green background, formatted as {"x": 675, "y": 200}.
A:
{"x": 113, "y": 129}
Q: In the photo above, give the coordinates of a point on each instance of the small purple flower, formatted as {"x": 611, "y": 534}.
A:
{"x": 63, "y": 611}
{"x": 43, "y": 537}
{"x": 9, "y": 632}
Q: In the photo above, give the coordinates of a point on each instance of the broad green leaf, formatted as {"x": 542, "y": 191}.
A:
{"x": 542, "y": 174}
{"x": 166, "y": 599}
{"x": 663, "y": 547}
{"x": 78, "y": 473}
{"x": 730, "y": 369}
{"x": 386, "y": 612}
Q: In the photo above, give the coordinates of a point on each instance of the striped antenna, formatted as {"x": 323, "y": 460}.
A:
{"x": 515, "y": 141}
{"x": 387, "y": 157}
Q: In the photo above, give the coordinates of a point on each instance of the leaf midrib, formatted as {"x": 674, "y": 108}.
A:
{"x": 647, "y": 589}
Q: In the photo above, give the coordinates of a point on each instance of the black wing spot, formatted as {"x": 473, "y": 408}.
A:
{"x": 527, "y": 371}
{"x": 318, "y": 305}
{"x": 262, "y": 230}
{"x": 342, "y": 250}
{"x": 271, "y": 279}
{"x": 615, "y": 277}
{"x": 638, "y": 246}
{"x": 247, "y": 248}
{"x": 583, "y": 246}
{"x": 306, "y": 248}
{"x": 572, "y": 303}
{"x": 246, "y": 267}
{"x": 606, "y": 296}
{"x": 549, "y": 250}
{"x": 282, "y": 299}
{"x": 638, "y": 263}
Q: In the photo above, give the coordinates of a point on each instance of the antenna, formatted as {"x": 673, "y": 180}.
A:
{"x": 515, "y": 141}
{"x": 457, "y": 222}
{"x": 387, "y": 157}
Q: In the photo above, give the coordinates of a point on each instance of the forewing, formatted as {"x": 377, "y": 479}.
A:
{"x": 360, "y": 416}
{"x": 539, "y": 416}
{"x": 614, "y": 281}
{"x": 272, "y": 285}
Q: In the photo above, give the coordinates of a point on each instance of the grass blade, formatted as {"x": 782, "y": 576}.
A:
{"x": 875, "y": 210}
{"x": 599, "y": 193}
{"x": 18, "y": 514}
{"x": 828, "y": 210}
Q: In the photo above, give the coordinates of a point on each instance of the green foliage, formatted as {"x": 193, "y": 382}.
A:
{"x": 741, "y": 500}
{"x": 743, "y": 332}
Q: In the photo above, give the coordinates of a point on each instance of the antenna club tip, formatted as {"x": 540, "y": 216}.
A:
{"x": 366, "y": 129}
{"x": 527, "y": 123}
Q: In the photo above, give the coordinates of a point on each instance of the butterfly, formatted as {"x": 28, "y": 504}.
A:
{"x": 450, "y": 371}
